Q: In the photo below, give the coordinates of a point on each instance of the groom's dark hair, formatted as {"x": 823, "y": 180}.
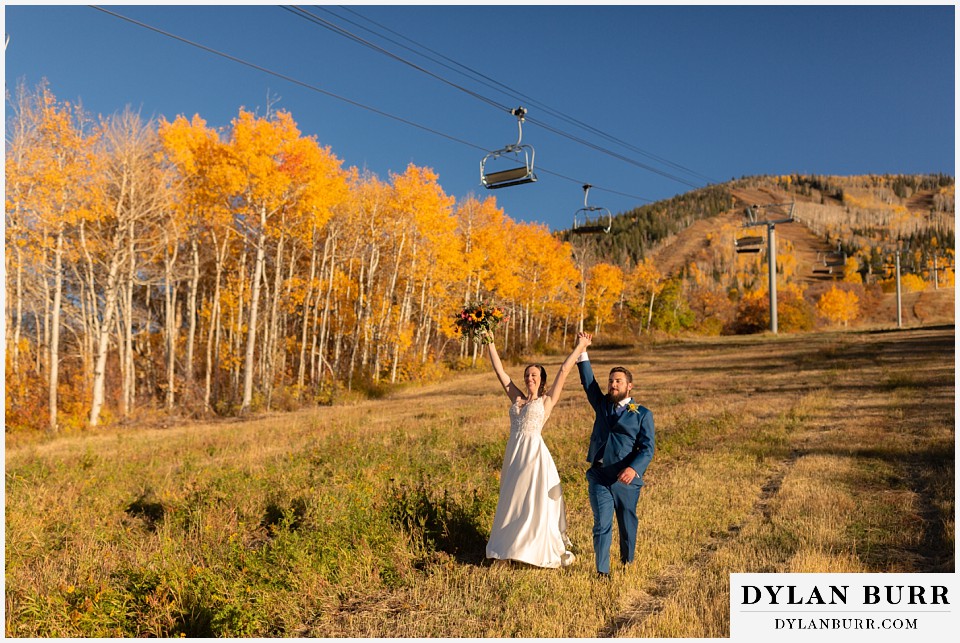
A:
{"x": 543, "y": 377}
{"x": 626, "y": 373}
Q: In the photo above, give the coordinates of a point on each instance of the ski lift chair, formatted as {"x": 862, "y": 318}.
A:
{"x": 516, "y": 152}
{"x": 591, "y": 219}
{"x": 748, "y": 245}
{"x": 835, "y": 259}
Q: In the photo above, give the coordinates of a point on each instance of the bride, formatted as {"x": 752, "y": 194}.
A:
{"x": 530, "y": 523}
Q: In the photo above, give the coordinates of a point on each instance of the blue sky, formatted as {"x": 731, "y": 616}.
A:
{"x": 673, "y": 97}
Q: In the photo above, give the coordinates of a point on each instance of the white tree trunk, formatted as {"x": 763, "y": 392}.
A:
{"x": 192, "y": 298}
{"x": 125, "y": 332}
{"x": 170, "y": 319}
{"x": 248, "y": 364}
{"x": 650, "y": 311}
{"x": 213, "y": 332}
{"x": 18, "y": 315}
{"x": 103, "y": 338}
{"x": 305, "y": 321}
{"x": 53, "y": 372}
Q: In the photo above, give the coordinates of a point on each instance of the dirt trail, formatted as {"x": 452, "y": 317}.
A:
{"x": 807, "y": 246}
{"x": 666, "y": 584}
{"x": 674, "y": 253}
{"x": 850, "y": 424}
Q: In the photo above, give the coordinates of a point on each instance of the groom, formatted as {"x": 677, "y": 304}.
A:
{"x": 621, "y": 447}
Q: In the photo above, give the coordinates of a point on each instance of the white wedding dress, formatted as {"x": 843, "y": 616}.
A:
{"x": 530, "y": 524}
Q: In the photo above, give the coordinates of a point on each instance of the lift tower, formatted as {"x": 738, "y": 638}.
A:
{"x": 754, "y": 219}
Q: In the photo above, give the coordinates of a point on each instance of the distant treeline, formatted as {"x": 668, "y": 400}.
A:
{"x": 635, "y": 232}
{"x": 903, "y": 185}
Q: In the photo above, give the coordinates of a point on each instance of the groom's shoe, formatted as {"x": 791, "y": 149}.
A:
{"x": 603, "y": 576}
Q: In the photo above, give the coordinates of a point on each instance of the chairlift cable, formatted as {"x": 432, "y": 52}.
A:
{"x": 615, "y": 154}
{"x": 317, "y": 20}
{"x": 327, "y": 24}
{"x": 349, "y": 101}
{"x": 287, "y": 78}
{"x": 510, "y": 91}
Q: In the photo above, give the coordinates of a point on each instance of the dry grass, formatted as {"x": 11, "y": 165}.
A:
{"x": 827, "y": 452}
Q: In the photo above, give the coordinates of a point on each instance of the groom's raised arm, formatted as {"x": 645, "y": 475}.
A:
{"x": 588, "y": 381}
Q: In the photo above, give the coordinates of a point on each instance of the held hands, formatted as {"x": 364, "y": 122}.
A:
{"x": 584, "y": 340}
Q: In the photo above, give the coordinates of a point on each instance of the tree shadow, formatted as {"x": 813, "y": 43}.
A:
{"x": 440, "y": 522}
{"x": 147, "y": 509}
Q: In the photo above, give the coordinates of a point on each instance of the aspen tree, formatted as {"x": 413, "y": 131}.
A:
{"x": 838, "y": 306}
{"x": 21, "y": 140}
{"x": 370, "y": 223}
{"x": 270, "y": 174}
{"x": 318, "y": 188}
{"x": 134, "y": 194}
{"x": 645, "y": 281}
{"x": 484, "y": 233}
{"x": 193, "y": 151}
{"x": 604, "y": 284}
{"x": 52, "y": 180}
{"x": 429, "y": 224}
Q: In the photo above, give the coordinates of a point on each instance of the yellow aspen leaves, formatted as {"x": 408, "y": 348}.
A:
{"x": 839, "y": 306}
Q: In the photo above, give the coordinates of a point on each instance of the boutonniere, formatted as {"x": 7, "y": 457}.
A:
{"x": 633, "y": 407}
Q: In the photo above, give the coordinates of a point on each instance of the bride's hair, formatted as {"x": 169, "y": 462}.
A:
{"x": 543, "y": 377}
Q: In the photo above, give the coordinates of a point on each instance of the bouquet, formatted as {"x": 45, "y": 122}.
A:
{"x": 477, "y": 322}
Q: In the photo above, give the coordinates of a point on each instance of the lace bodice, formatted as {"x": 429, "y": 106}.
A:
{"x": 527, "y": 418}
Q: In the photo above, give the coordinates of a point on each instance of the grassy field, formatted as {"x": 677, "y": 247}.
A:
{"x": 826, "y": 452}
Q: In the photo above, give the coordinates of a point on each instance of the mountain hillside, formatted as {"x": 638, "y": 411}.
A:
{"x": 854, "y": 224}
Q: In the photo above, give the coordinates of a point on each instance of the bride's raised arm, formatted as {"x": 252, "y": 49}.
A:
{"x": 553, "y": 395}
{"x": 511, "y": 389}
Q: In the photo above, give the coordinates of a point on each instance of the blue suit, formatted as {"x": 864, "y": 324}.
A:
{"x": 622, "y": 439}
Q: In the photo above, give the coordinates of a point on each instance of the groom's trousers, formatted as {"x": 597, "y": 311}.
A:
{"x": 608, "y": 497}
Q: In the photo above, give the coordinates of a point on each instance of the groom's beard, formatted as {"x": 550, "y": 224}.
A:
{"x": 616, "y": 399}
